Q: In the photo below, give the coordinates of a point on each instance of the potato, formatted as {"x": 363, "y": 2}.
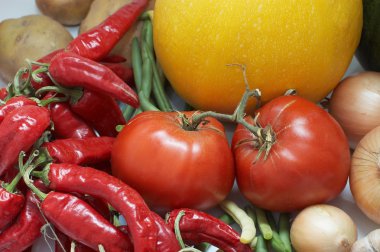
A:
{"x": 100, "y": 10}
{"x": 29, "y": 37}
{"x": 66, "y": 12}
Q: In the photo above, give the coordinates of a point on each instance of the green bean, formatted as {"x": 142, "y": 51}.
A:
{"x": 261, "y": 245}
{"x": 146, "y": 81}
{"x": 128, "y": 112}
{"x": 136, "y": 63}
{"x": 226, "y": 219}
{"x": 263, "y": 224}
{"x": 284, "y": 231}
{"x": 147, "y": 34}
{"x": 145, "y": 104}
{"x": 248, "y": 229}
{"x": 275, "y": 242}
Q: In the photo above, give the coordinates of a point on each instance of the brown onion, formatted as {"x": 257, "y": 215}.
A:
{"x": 355, "y": 104}
{"x": 365, "y": 175}
{"x": 323, "y": 228}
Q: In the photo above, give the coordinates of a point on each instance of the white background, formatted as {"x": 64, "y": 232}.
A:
{"x": 18, "y": 8}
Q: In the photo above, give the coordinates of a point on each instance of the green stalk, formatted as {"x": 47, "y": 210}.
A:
{"x": 284, "y": 231}
{"x": 263, "y": 224}
{"x": 261, "y": 245}
{"x": 275, "y": 242}
{"x": 30, "y": 184}
{"x": 248, "y": 229}
{"x": 136, "y": 63}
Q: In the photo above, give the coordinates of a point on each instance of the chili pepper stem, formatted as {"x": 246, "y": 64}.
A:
{"x": 30, "y": 184}
{"x": 177, "y": 231}
{"x": 11, "y": 187}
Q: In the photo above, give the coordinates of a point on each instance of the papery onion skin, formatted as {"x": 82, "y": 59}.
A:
{"x": 355, "y": 104}
{"x": 365, "y": 175}
{"x": 323, "y": 228}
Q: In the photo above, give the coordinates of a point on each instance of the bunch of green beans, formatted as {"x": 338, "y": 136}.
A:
{"x": 272, "y": 234}
{"x": 148, "y": 76}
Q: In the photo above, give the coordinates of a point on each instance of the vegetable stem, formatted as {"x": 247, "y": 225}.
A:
{"x": 284, "y": 231}
{"x": 276, "y": 242}
{"x": 263, "y": 224}
{"x": 245, "y": 222}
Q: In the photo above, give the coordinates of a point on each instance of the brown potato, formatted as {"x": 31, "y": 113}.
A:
{"x": 100, "y": 10}
{"x": 28, "y": 37}
{"x": 67, "y": 12}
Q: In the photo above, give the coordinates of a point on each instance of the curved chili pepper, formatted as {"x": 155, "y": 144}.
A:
{"x": 67, "y": 124}
{"x": 96, "y": 43}
{"x": 100, "y": 111}
{"x": 125, "y": 73}
{"x": 13, "y": 103}
{"x": 79, "y": 151}
{"x": 86, "y": 180}
{"x": 11, "y": 203}
{"x": 25, "y": 230}
{"x": 197, "y": 227}
{"x": 19, "y": 130}
{"x": 72, "y": 70}
{"x": 166, "y": 239}
{"x": 78, "y": 220}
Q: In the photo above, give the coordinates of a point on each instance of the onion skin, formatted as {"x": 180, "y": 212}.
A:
{"x": 365, "y": 175}
{"x": 323, "y": 228}
{"x": 355, "y": 104}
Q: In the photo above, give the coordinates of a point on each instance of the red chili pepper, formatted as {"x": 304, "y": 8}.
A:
{"x": 19, "y": 130}
{"x": 67, "y": 124}
{"x": 96, "y": 43}
{"x": 66, "y": 242}
{"x": 78, "y": 220}
{"x": 25, "y": 230}
{"x": 197, "y": 227}
{"x": 99, "y": 205}
{"x": 11, "y": 202}
{"x": 125, "y": 73}
{"x": 100, "y": 111}
{"x": 113, "y": 58}
{"x": 79, "y": 151}
{"x": 166, "y": 239}
{"x": 3, "y": 93}
{"x": 71, "y": 70}
{"x": 13, "y": 103}
{"x": 86, "y": 180}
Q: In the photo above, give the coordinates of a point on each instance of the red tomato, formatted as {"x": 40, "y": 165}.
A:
{"x": 172, "y": 167}
{"x": 308, "y": 163}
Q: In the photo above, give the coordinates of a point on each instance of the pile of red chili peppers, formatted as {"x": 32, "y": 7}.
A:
{"x": 58, "y": 123}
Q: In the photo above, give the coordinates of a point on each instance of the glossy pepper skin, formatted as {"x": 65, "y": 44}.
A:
{"x": 87, "y": 151}
{"x": 96, "y": 43}
{"x": 86, "y": 180}
{"x": 197, "y": 227}
{"x": 78, "y": 220}
{"x": 166, "y": 240}
{"x": 11, "y": 204}
{"x": 66, "y": 243}
{"x": 3, "y": 93}
{"x": 25, "y": 230}
{"x": 13, "y": 103}
{"x": 100, "y": 111}
{"x": 67, "y": 124}
{"x": 125, "y": 73}
{"x": 72, "y": 70}
{"x": 19, "y": 130}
